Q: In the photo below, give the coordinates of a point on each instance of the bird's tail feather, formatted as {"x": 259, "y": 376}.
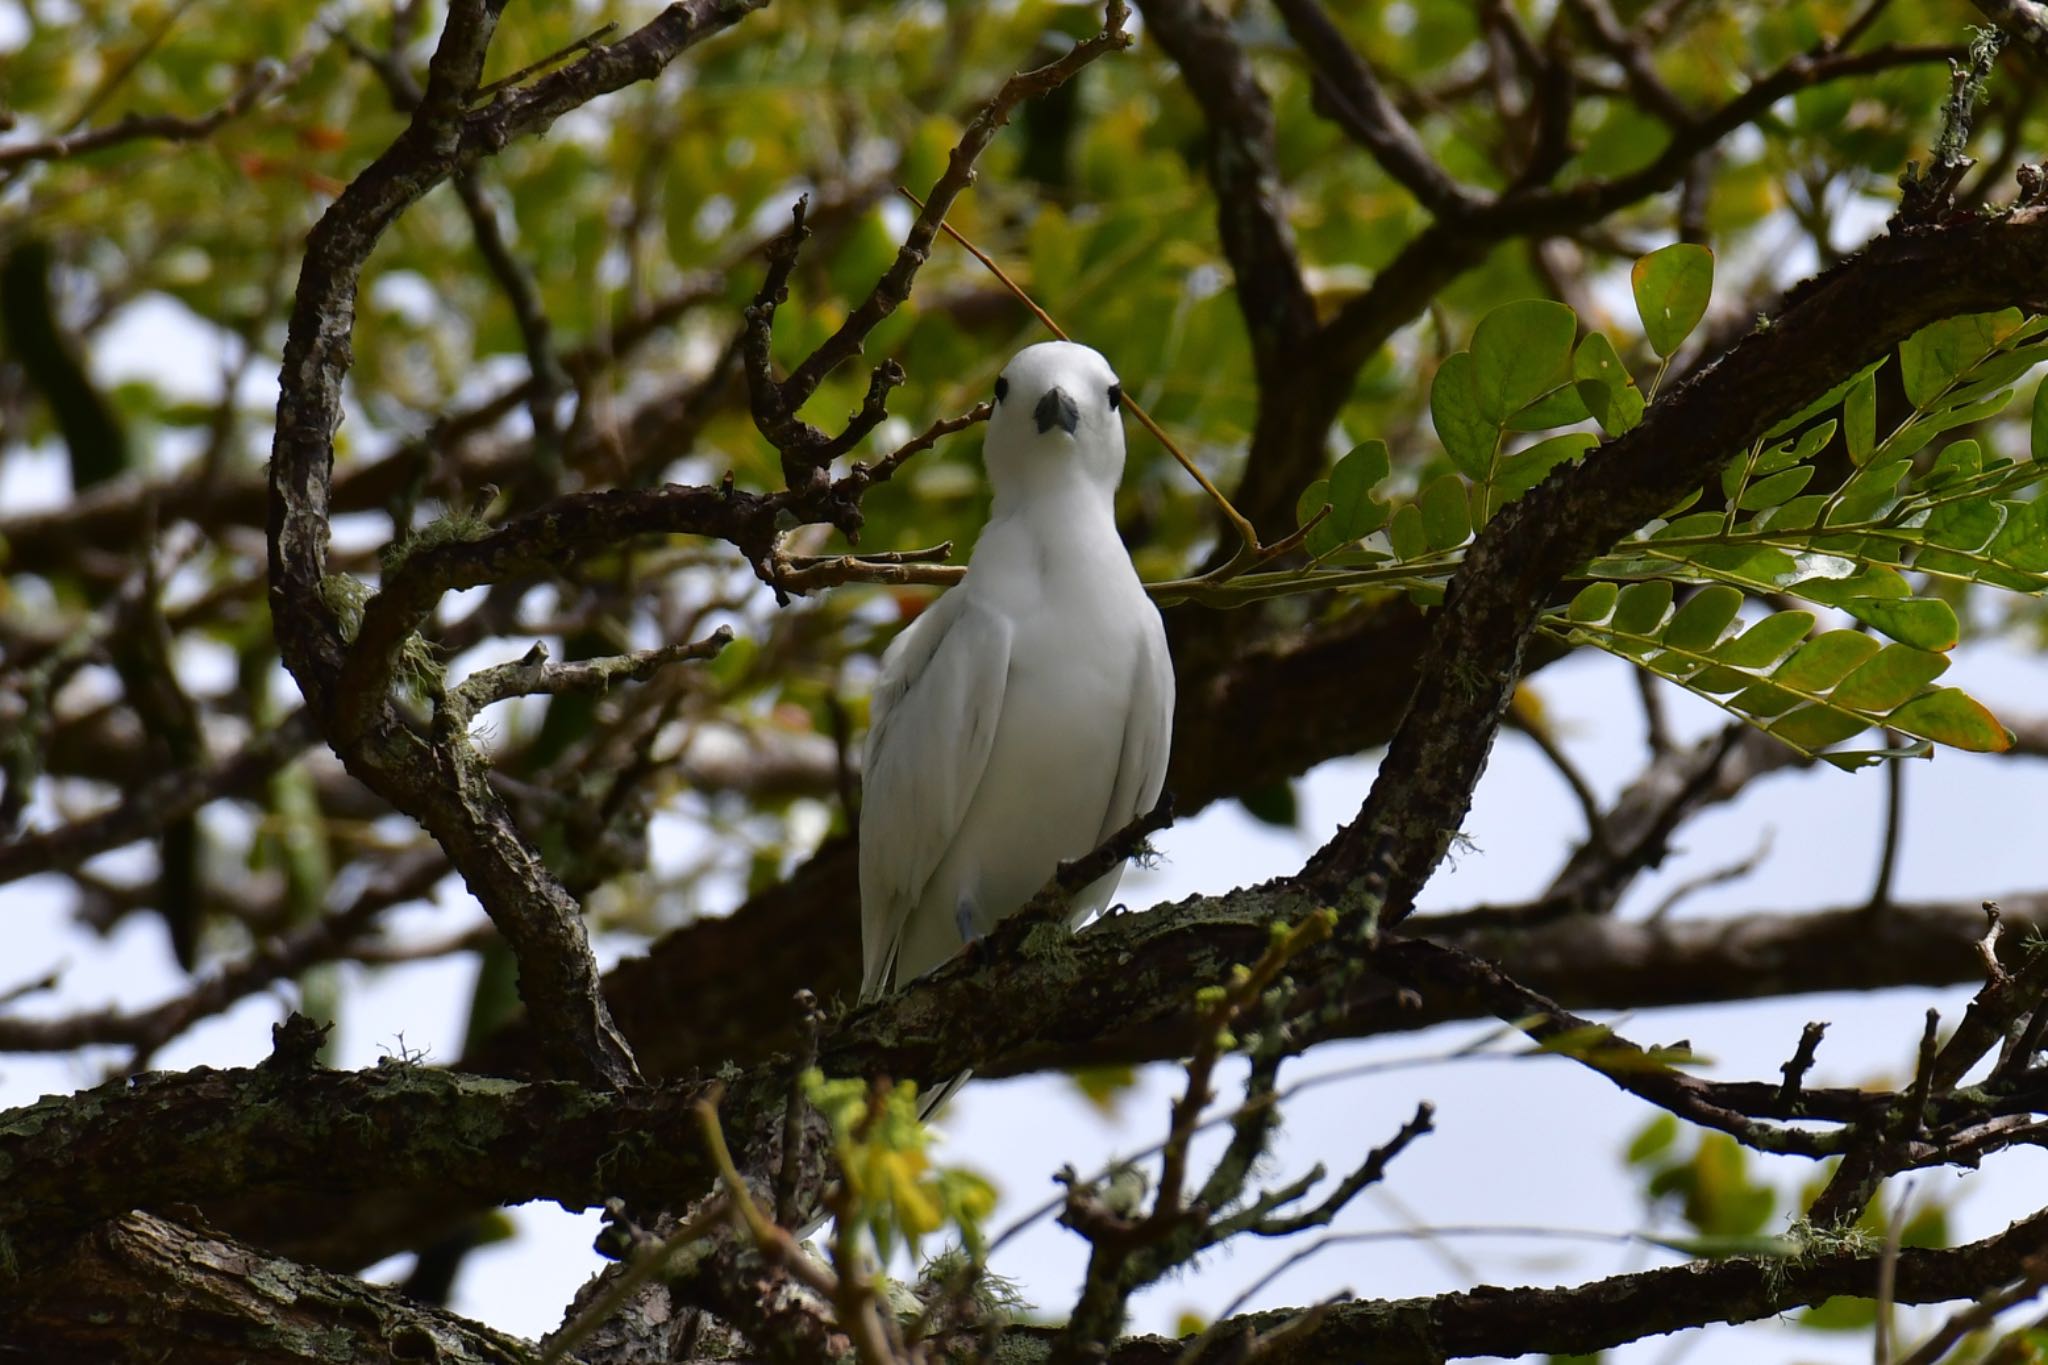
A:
{"x": 930, "y": 1101}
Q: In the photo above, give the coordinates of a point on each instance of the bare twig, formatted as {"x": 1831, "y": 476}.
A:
{"x": 535, "y": 675}
{"x": 648, "y": 1262}
{"x": 268, "y": 78}
{"x": 1223, "y": 504}
{"x": 561, "y": 54}
{"x": 1799, "y": 1064}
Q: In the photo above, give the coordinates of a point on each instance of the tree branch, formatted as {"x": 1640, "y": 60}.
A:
{"x": 268, "y": 78}
{"x": 1829, "y": 328}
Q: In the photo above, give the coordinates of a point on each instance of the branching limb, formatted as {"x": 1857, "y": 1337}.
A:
{"x": 268, "y": 78}
{"x": 1797, "y": 1066}
{"x": 1348, "y": 92}
{"x": 324, "y": 940}
{"x": 534, "y": 675}
{"x": 159, "y": 803}
{"x": 347, "y": 684}
{"x": 1369, "y": 1172}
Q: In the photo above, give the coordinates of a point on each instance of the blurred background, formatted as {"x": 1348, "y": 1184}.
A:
{"x": 564, "y": 320}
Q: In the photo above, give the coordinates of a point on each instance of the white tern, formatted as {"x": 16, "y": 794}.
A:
{"x": 1026, "y": 715}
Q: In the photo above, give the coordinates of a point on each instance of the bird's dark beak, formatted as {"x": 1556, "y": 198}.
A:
{"x": 1056, "y": 410}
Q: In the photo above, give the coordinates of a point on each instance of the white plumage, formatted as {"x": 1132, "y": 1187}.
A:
{"x": 1026, "y": 715}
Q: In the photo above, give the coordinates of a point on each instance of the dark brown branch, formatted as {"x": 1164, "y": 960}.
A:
{"x": 547, "y": 377}
{"x": 1828, "y": 329}
{"x": 268, "y": 78}
{"x": 1347, "y": 91}
{"x": 894, "y": 287}
{"x": 204, "y": 1299}
{"x": 441, "y": 785}
{"x": 196, "y": 1290}
{"x": 331, "y": 937}
{"x": 1278, "y": 312}
{"x": 158, "y": 803}
{"x": 534, "y": 675}
{"x": 1584, "y": 1319}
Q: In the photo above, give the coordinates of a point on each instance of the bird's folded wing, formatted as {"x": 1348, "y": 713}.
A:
{"x": 932, "y": 723}
{"x": 1148, "y": 737}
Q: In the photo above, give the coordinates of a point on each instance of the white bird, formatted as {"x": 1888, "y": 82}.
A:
{"x": 1025, "y": 716}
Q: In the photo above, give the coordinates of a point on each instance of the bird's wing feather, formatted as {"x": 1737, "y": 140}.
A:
{"x": 1148, "y": 735}
{"x": 932, "y": 723}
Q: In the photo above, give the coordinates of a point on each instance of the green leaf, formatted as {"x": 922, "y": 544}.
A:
{"x": 1816, "y": 727}
{"x": 1777, "y": 488}
{"x": 1825, "y": 401}
{"x": 2023, "y": 541}
{"x": 1949, "y": 716}
{"x": 1699, "y": 624}
{"x": 1968, "y": 525}
{"x": 1768, "y": 641}
{"x": 1469, "y": 436}
{"x": 1826, "y": 660}
{"x": 1520, "y": 351}
{"x": 1854, "y": 760}
{"x": 1313, "y": 499}
{"x": 1859, "y": 418}
{"x": 1446, "y": 512}
{"x": 1657, "y": 1135}
{"x": 1958, "y": 462}
{"x": 1937, "y": 355}
{"x": 1888, "y": 679}
{"x": 2038, "y": 428}
{"x": 1927, "y": 622}
{"x": 1353, "y": 511}
{"x": 1561, "y": 407}
{"x": 1405, "y": 533}
{"x": 1524, "y": 469}
{"x": 1605, "y": 385}
{"x": 1642, "y": 606}
{"x": 1672, "y": 286}
{"x": 1593, "y": 603}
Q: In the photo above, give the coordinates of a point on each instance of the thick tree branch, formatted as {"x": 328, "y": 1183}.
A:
{"x": 347, "y": 688}
{"x": 1828, "y": 328}
{"x": 1347, "y": 91}
{"x": 1278, "y": 312}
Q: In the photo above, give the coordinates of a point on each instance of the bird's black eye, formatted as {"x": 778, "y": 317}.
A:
{"x": 1002, "y": 388}
{"x": 1116, "y": 396}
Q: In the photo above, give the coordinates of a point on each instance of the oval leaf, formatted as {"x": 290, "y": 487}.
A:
{"x": 1468, "y": 436}
{"x": 1699, "y": 623}
{"x": 1672, "y": 286}
{"x": 1520, "y": 351}
{"x": 1950, "y": 716}
{"x": 1446, "y": 513}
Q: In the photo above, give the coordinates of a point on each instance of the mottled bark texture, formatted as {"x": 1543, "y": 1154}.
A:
{"x": 1827, "y": 329}
{"x": 120, "y": 1206}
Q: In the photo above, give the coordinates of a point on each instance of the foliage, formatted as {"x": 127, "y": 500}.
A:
{"x": 894, "y": 1190}
{"x": 1328, "y": 333}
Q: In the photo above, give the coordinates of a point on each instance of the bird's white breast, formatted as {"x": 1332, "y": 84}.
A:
{"x": 1061, "y": 577}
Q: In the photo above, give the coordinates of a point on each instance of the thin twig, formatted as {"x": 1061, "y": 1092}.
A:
{"x": 268, "y": 77}
{"x": 534, "y": 675}
{"x": 1245, "y": 530}
{"x": 648, "y": 1263}
{"x": 1718, "y": 876}
{"x": 555, "y": 58}
{"x": 1795, "y": 1069}
{"x": 1894, "y": 828}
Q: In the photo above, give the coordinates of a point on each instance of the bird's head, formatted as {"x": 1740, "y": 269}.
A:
{"x": 1058, "y": 413}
